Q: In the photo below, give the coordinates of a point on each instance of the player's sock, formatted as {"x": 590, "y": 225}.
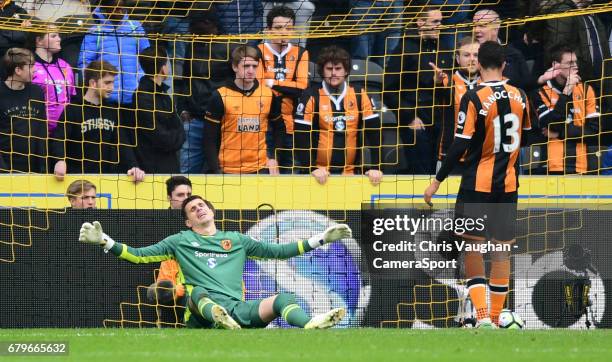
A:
{"x": 498, "y": 286}
{"x": 205, "y": 306}
{"x": 285, "y": 307}
{"x": 474, "y": 271}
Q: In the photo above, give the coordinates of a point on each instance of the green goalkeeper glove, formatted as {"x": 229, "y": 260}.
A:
{"x": 93, "y": 234}
{"x": 333, "y": 233}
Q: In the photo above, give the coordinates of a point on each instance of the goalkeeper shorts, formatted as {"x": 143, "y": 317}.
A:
{"x": 245, "y": 313}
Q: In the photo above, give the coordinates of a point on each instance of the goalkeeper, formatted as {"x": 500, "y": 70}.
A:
{"x": 211, "y": 263}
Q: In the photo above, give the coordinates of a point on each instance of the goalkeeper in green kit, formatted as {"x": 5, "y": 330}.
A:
{"x": 211, "y": 264}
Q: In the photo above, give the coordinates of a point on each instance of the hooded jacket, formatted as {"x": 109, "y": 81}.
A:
{"x": 119, "y": 44}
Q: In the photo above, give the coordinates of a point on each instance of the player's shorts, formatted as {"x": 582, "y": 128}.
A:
{"x": 245, "y": 313}
{"x": 492, "y": 213}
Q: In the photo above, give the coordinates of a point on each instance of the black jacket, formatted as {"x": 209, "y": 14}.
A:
{"x": 206, "y": 70}
{"x": 23, "y": 129}
{"x": 516, "y": 70}
{"x": 159, "y": 130}
{"x": 409, "y": 77}
{"x": 91, "y": 139}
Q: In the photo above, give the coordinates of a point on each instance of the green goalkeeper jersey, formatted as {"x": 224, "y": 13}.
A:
{"x": 214, "y": 262}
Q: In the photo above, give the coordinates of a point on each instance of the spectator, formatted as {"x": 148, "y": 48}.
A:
{"x": 90, "y": 137}
{"x": 81, "y": 194}
{"x": 303, "y": 10}
{"x": 239, "y": 116}
{"x": 167, "y": 289}
{"x": 206, "y": 70}
{"x": 455, "y": 12}
{"x": 16, "y": 16}
{"x": 452, "y": 88}
{"x": 23, "y": 120}
{"x": 334, "y": 121}
{"x": 589, "y": 37}
{"x": 365, "y": 13}
{"x": 408, "y": 88}
{"x": 284, "y": 68}
{"x": 584, "y": 33}
{"x": 159, "y": 131}
{"x": 53, "y": 74}
{"x": 118, "y": 40}
{"x": 569, "y": 116}
{"x": 486, "y": 27}
{"x": 178, "y": 189}
{"x": 240, "y": 16}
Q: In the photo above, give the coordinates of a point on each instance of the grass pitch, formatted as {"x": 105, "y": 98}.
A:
{"x": 119, "y": 345}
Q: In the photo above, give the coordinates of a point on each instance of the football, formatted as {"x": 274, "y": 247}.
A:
{"x": 510, "y": 320}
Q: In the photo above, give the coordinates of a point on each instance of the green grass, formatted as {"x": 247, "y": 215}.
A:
{"x": 119, "y": 345}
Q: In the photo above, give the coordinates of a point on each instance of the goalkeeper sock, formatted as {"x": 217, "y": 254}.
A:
{"x": 498, "y": 286}
{"x": 474, "y": 271}
{"x": 286, "y": 307}
{"x": 205, "y": 306}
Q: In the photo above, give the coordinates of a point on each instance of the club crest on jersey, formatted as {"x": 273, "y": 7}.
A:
{"x": 226, "y": 244}
{"x": 212, "y": 263}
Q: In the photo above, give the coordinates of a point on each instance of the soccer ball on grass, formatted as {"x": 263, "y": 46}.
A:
{"x": 510, "y": 320}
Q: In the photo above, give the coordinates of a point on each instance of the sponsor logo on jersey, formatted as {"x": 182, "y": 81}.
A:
{"x": 335, "y": 119}
{"x": 340, "y": 125}
{"x": 212, "y": 263}
{"x": 226, "y": 244}
{"x": 248, "y": 124}
{"x": 200, "y": 254}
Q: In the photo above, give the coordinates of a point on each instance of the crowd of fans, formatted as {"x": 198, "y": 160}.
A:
{"x": 138, "y": 105}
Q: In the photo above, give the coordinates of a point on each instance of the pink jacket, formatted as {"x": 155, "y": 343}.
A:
{"x": 57, "y": 82}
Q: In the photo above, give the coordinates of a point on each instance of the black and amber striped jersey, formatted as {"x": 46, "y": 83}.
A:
{"x": 576, "y": 119}
{"x": 329, "y": 129}
{"x": 457, "y": 86}
{"x": 289, "y": 70}
{"x": 242, "y": 118}
{"x": 493, "y": 117}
